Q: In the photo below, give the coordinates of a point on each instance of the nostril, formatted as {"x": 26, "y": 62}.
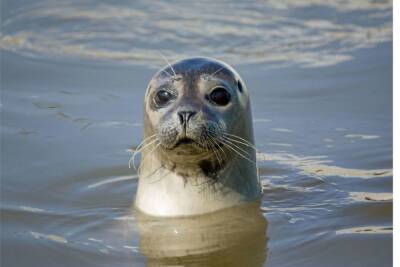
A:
{"x": 185, "y": 116}
{"x": 181, "y": 117}
{"x": 190, "y": 114}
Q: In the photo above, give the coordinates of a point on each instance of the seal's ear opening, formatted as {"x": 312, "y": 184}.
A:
{"x": 240, "y": 86}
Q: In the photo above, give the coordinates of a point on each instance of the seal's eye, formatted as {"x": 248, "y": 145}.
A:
{"x": 163, "y": 97}
{"x": 220, "y": 96}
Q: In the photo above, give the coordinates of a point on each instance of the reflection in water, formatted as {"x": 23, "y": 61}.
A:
{"x": 73, "y": 75}
{"x": 231, "y": 237}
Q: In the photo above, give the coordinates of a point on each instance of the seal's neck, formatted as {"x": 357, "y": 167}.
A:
{"x": 163, "y": 191}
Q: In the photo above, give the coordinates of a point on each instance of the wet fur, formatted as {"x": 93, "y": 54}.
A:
{"x": 218, "y": 169}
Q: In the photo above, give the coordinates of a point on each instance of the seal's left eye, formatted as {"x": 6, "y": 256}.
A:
{"x": 163, "y": 97}
{"x": 220, "y": 96}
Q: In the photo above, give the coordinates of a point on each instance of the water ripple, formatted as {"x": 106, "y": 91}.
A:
{"x": 260, "y": 31}
{"x": 321, "y": 166}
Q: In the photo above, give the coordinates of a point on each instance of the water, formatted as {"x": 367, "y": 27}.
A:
{"x": 73, "y": 75}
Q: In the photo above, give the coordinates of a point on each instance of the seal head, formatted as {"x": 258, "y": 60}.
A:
{"x": 199, "y": 137}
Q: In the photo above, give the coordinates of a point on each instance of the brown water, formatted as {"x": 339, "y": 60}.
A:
{"x": 73, "y": 75}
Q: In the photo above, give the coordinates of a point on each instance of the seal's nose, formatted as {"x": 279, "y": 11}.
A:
{"x": 184, "y": 116}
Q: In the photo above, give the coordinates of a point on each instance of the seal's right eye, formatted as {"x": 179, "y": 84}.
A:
{"x": 163, "y": 97}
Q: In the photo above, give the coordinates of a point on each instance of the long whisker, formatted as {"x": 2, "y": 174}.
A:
{"x": 220, "y": 148}
{"x": 166, "y": 60}
{"x": 218, "y": 70}
{"x": 236, "y": 146}
{"x": 135, "y": 153}
{"x": 223, "y": 151}
{"x": 228, "y": 137}
{"x": 209, "y": 144}
{"x": 219, "y": 159}
{"x": 215, "y": 140}
{"x": 169, "y": 74}
{"x": 139, "y": 149}
{"x": 145, "y": 140}
{"x": 240, "y": 138}
{"x": 240, "y": 142}
{"x": 237, "y": 152}
{"x": 147, "y": 155}
{"x": 215, "y": 151}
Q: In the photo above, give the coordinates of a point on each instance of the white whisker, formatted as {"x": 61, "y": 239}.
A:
{"x": 147, "y": 155}
{"x": 237, "y": 152}
{"x": 139, "y": 149}
{"x": 215, "y": 72}
{"x": 240, "y": 142}
{"x": 234, "y": 145}
{"x": 240, "y": 138}
{"x": 166, "y": 60}
{"x": 215, "y": 151}
{"x": 169, "y": 74}
{"x": 145, "y": 140}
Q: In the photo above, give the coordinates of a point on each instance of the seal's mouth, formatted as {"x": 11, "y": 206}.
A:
{"x": 185, "y": 141}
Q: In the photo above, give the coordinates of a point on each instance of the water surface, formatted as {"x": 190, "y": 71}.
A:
{"x": 73, "y": 76}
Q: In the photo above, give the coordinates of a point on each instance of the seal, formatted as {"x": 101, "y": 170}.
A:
{"x": 198, "y": 153}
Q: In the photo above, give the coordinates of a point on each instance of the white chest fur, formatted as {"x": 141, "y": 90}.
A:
{"x": 162, "y": 192}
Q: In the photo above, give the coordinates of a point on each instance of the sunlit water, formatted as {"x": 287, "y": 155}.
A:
{"x": 73, "y": 75}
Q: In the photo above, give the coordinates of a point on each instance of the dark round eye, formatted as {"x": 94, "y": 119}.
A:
{"x": 220, "y": 96}
{"x": 162, "y": 98}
